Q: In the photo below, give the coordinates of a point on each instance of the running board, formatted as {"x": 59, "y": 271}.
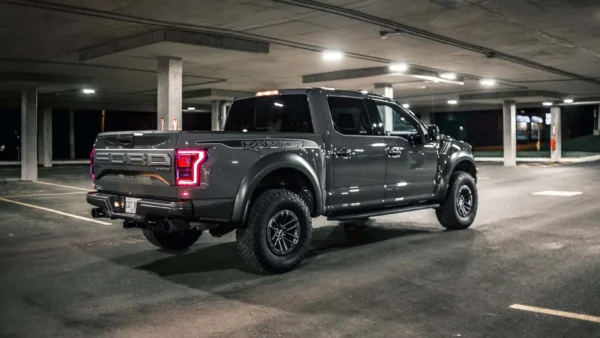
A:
{"x": 382, "y": 212}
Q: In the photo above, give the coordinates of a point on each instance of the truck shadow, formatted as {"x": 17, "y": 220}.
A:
{"x": 224, "y": 256}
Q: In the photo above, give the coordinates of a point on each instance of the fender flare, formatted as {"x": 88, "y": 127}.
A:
{"x": 264, "y": 167}
{"x": 444, "y": 179}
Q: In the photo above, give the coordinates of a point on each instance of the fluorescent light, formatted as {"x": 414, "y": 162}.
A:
{"x": 191, "y": 108}
{"x": 406, "y": 105}
{"x": 88, "y": 91}
{"x": 331, "y": 55}
{"x": 547, "y": 103}
{"x": 448, "y": 76}
{"x": 568, "y": 100}
{"x": 487, "y": 82}
{"x": 452, "y": 102}
{"x": 327, "y": 88}
{"x": 277, "y": 104}
{"x": 398, "y": 67}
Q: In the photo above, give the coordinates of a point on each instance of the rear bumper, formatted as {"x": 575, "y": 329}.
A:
{"x": 146, "y": 208}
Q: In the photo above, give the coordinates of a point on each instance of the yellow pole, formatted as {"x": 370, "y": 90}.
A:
{"x": 102, "y": 124}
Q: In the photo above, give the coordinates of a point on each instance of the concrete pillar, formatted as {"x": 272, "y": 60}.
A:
{"x": 214, "y": 115}
{"x": 40, "y": 138}
{"x": 555, "y": 132}
{"x": 71, "y": 134}
{"x": 169, "y": 95}
{"x": 509, "y": 118}
{"x": 224, "y": 111}
{"x": 47, "y": 137}
{"x": 29, "y": 170}
{"x": 597, "y": 120}
{"x": 426, "y": 118}
{"x": 386, "y": 89}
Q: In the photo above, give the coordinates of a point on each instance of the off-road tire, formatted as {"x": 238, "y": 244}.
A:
{"x": 447, "y": 214}
{"x": 172, "y": 241}
{"x": 252, "y": 240}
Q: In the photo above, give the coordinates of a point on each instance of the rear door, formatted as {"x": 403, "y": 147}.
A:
{"x": 136, "y": 163}
{"x": 358, "y": 156}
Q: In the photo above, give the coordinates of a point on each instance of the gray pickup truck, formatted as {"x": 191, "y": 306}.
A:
{"x": 283, "y": 158}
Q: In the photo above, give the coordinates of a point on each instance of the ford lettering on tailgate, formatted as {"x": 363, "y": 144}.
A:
{"x": 133, "y": 158}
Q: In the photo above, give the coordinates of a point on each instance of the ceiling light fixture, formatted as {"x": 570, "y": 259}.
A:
{"x": 398, "y": 67}
{"x": 568, "y": 100}
{"x": 88, "y": 91}
{"x": 406, "y": 105}
{"x": 448, "y": 76}
{"x": 332, "y": 55}
{"x": 547, "y": 103}
{"x": 487, "y": 82}
{"x": 191, "y": 108}
{"x": 452, "y": 102}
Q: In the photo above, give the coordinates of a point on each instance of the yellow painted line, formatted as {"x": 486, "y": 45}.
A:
{"x": 62, "y": 186}
{"x": 54, "y": 211}
{"x": 36, "y": 195}
{"x": 556, "y": 313}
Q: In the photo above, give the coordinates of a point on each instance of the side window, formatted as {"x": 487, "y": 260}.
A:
{"x": 396, "y": 121}
{"x": 349, "y": 115}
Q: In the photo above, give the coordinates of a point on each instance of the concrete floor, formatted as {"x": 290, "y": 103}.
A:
{"x": 66, "y": 277}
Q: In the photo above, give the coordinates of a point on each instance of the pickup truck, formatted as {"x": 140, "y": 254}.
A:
{"x": 283, "y": 158}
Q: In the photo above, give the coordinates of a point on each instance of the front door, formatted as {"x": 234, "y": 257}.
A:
{"x": 358, "y": 156}
{"x": 410, "y": 156}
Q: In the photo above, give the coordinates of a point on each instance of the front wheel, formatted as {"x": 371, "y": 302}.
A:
{"x": 278, "y": 232}
{"x": 460, "y": 207}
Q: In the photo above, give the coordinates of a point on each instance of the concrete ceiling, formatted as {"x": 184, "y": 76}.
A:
{"x": 544, "y": 45}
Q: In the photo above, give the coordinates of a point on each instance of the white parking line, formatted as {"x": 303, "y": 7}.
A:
{"x": 55, "y": 194}
{"x": 54, "y": 211}
{"x": 557, "y": 193}
{"x": 556, "y": 313}
{"x": 62, "y": 186}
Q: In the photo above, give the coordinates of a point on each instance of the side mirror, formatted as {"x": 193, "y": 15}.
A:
{"x": 415, "y": 139}
{"x": 433, "y": 131}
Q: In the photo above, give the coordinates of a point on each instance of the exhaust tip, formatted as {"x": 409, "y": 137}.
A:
{"x": 97, "y": 213}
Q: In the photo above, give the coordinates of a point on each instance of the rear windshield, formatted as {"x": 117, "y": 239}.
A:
{"x": 278, "y": 114}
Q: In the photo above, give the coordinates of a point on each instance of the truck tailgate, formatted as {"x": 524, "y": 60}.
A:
{"x": 136, "y": 163}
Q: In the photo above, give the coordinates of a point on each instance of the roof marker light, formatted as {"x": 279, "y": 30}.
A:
{"x": 268, "y": 93}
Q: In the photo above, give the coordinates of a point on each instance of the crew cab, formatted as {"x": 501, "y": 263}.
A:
{"x": 283, "y": 158}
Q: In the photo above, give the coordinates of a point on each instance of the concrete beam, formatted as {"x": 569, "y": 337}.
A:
{"x": 211, "y": 40}
{"x": 215, "y": 94}
{"x": 45, "y": 78}
{"x": 510, "y": 95}
{"x": 358, "y": 73}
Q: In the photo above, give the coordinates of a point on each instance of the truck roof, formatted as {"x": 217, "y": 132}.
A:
{"x": 345, "y": 92}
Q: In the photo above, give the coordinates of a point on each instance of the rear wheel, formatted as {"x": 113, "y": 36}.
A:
{"x": 172, "y": 241}
{"x": 460, "y": 207}
{"x": 278, "y": 232}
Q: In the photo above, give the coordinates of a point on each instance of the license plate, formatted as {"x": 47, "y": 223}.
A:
{"x": 131, "y": 204}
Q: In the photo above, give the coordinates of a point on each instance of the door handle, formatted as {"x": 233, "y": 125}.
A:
{"x": 394, "y": 152}
{"x": 343, "y": 152}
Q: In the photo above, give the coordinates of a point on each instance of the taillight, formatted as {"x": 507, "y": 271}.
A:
{"x": 188, "y": 164}
{"x": 92, "y": 164}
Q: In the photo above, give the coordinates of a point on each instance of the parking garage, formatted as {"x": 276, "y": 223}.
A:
{"x": 518, "y": 81}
